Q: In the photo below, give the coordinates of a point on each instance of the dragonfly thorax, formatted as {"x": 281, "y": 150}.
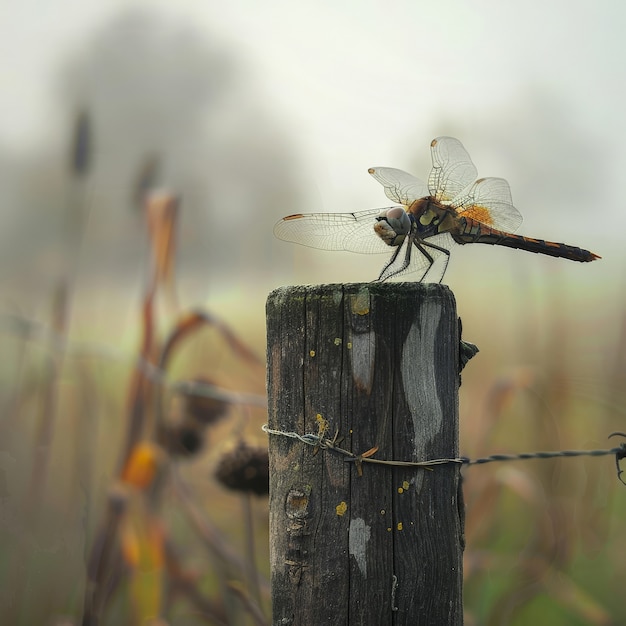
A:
{"x": 431, "y": 217}
{"x": 393, "y": 226}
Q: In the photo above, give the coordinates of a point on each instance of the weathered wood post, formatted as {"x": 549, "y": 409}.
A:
{"x": 379, "y": 365}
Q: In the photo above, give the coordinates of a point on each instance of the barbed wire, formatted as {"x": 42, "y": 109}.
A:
{"x": 34, "y": 330}
{"x": 319, "y": 440}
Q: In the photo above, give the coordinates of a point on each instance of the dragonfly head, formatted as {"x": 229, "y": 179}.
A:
{"x": 393, "y": 225}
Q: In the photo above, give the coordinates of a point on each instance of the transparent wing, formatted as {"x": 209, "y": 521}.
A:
{"x": 399, "y": 186}
{"x": 489, "y": 201}
{"x": 452, "y": 171}
{"x": 419, "y": 264}
{"x": 353, "y": 232}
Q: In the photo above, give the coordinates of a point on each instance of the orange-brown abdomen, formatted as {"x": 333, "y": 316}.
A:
{"x": 475, "y": 232}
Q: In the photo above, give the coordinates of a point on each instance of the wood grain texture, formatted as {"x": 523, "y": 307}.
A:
{"x": 379, "y": 363}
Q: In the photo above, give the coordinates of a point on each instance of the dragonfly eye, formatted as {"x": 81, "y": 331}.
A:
{"x": 393, "y": 226}
{"x": 399, "y": 221}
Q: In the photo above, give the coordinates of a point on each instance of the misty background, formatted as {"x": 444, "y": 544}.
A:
{"x": 253, "y": 114}
{"x": 252, "y": 111}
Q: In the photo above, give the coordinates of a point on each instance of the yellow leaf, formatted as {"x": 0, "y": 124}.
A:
{"x": 143, "y": 548}
{"x": 142, "y": 465}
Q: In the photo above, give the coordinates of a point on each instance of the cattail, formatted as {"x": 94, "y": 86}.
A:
{"x": 80, "y": 156}
{"x": 147, "y": 179}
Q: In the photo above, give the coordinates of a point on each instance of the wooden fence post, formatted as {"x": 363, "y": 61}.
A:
{"x": 379, "y": 365}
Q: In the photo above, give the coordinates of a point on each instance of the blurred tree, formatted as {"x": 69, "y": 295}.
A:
{"x": 158, "y": 89}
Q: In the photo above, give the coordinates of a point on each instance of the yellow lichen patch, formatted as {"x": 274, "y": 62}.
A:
{"x": 338, "y": 341}
{"x": 480, "y": 214}
{"x": 404, "y": 487}
{"x": 311, "y": 353}
{"x": 341, "y": 508}
{"x": 399, "y": 526}
{"x": 360, "y": 303}
{"x": 322, "y": 424}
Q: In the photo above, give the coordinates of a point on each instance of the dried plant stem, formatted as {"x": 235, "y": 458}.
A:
{"x": 251, "y": 606}
{"x": 181, "y": 583}
{"x": 210, "y": 536}
{"x": 250, "y": 561}
{"x": 104, "y": 564}
{"x": 47, "y": 419}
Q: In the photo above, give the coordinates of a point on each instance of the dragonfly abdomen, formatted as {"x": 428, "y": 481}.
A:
{"x": 475, "y": 232}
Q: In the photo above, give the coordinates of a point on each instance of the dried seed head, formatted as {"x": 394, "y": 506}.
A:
{"x": 182, "y": 440}
{"x": 245, "y": 468}
{"x": 202, "y": 406}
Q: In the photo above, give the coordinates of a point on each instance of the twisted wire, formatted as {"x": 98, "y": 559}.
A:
{"x": 320, "y": 441}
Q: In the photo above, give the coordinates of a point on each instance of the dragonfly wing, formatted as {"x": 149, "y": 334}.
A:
{"x": 399, "y": 186}
{"x": 489, "y": 201}
{"x": 452, "y": 170}
{"x": 353, "y": 232}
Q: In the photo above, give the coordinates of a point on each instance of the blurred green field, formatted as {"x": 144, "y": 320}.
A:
{"x": 119, "y": 401}
{"x": 544, "y": 537}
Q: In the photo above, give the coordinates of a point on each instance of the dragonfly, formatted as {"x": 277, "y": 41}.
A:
{"x": 453, "y": 207}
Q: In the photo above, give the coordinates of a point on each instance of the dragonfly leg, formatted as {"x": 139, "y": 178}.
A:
{"x": 420, "y": 246}
{"x": 405, "y": 263}
{"x": 389, "y": 263}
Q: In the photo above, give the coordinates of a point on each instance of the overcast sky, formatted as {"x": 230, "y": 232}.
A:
{"x": 342, "y": 68}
